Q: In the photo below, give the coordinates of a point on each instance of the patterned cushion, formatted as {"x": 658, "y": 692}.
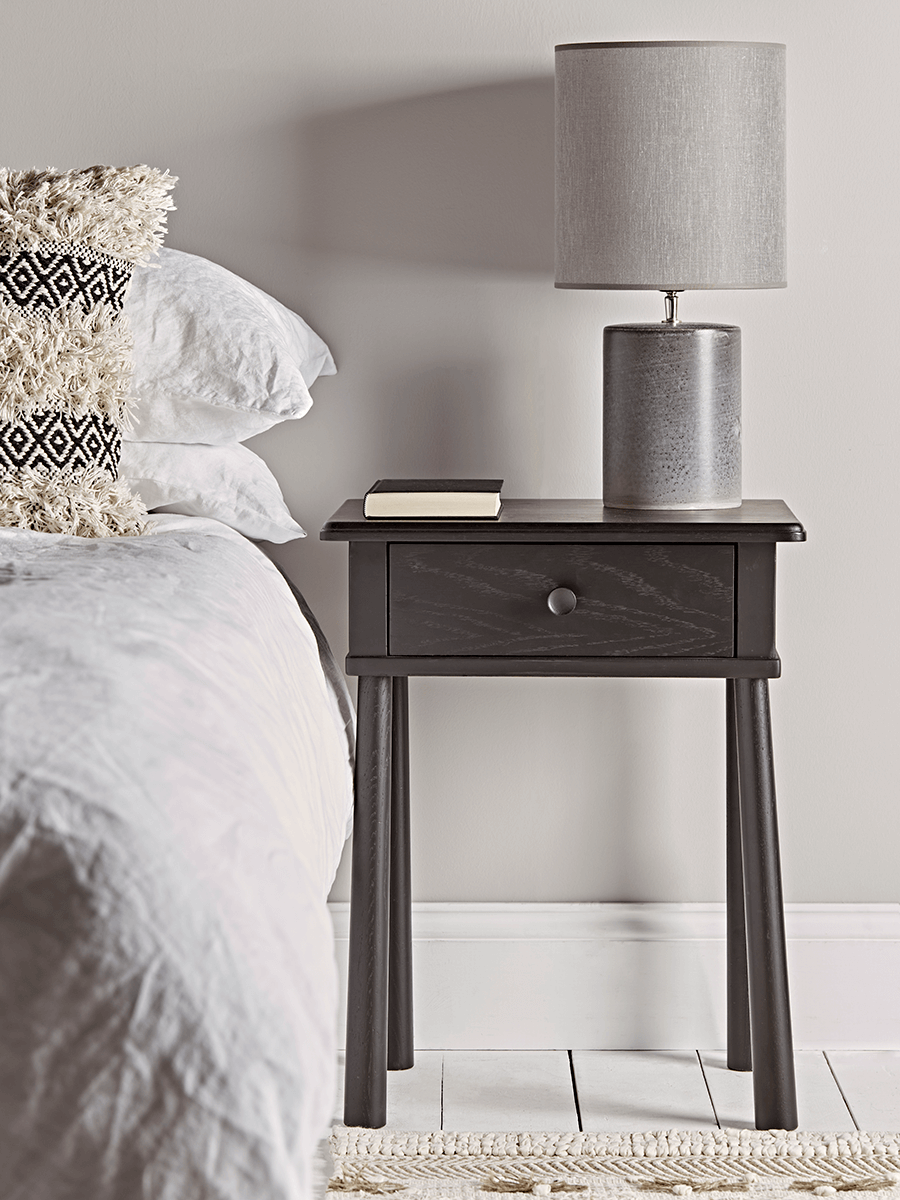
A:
{"x": 68, "y": 245}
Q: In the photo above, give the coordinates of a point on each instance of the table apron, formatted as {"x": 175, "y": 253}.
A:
{"x": 622, "y": 666}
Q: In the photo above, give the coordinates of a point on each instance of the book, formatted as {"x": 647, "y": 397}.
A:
{"x": 426, "y": 498}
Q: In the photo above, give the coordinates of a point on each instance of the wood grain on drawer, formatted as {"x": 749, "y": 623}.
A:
{"x": 491, "y": 599}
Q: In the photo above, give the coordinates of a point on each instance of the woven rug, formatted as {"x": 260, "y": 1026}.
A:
{"x": 485, "y": 1166}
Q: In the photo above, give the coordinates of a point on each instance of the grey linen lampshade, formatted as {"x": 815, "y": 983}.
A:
{"x": 670, "y": 165}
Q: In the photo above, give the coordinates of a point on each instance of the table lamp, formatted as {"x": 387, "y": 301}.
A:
{"x": 670, "y": 176}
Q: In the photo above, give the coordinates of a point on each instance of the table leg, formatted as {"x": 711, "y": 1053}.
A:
{"x": 400, "y": 998}
{"x": 774, "y": 1089}
{"x": 365, "y": 1079}
{"x": 739, "y": 1057}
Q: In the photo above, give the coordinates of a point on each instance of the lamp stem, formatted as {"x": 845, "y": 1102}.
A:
{"x": 672, "y": 308}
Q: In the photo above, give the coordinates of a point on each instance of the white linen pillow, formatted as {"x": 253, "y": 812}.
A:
{"x": 229, "y": 483}
{"x": 216, "y": 360}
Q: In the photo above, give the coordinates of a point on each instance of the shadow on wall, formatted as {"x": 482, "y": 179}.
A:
{"x": 461, "y": 178}
{"x": 443, "y": 421}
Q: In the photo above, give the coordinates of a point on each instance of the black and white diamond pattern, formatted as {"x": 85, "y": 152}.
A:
{"x": 55, "y": 275}
{"x": 52, "y": 441}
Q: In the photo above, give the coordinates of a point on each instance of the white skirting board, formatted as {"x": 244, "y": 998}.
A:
{"x": 636, "y": 976}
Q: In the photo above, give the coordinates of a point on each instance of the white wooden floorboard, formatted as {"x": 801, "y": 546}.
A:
{"x": 820, "y": 1106}
{"x": 500, "y": 1090}
{"x": 414, "y": 1096}
{"x": 870, "y": 1081}
{"x": 627, "y": 1090}
{"x": 338, "y": 1118}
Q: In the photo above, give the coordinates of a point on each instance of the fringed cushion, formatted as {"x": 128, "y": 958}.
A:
{"x": 68, "y": 245}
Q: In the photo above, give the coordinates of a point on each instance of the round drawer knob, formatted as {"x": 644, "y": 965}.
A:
{"x": 561, "y": 601}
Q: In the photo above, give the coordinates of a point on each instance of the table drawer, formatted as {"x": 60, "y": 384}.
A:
{"x": 492, "y": 599}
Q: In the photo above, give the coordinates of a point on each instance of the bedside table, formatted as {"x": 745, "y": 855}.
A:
{"x": 564, "y": 588}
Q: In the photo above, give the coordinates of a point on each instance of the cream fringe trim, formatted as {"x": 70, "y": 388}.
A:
{"x": 120, "y": 210}
{"x": 85, "y": 502}
{"x": 66, "y": 359}
{"x": 663, "y": 1143}
{"x": 762, "y": 1164}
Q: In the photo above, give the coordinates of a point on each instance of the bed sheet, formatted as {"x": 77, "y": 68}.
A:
{"x": 175, "y": 792}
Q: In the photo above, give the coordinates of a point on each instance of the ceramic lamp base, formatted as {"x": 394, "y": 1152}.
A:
{"x": 672, "y": 416}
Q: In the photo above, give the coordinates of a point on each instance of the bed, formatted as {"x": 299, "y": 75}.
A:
{"x": 175, "y": 789}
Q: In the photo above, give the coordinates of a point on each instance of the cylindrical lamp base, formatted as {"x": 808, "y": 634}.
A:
{"x": 672, "y": 416}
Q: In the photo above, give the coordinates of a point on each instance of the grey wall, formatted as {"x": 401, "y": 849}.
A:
{"x": 386, "y": 170}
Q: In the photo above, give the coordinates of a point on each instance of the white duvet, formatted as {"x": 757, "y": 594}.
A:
{"x": 174, "y": 796}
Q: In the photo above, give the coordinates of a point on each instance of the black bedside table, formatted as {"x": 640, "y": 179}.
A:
{"x": 564, "y": 588}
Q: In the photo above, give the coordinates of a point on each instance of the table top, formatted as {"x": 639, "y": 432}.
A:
{"x": 576, "y": 521}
